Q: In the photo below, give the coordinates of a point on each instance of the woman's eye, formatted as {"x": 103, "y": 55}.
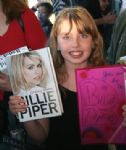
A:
{"x": 30, "y": 67}
{"x": 66, "y": 37}
{"x": 84, "y": 35}
{"x": 39, "y": 65}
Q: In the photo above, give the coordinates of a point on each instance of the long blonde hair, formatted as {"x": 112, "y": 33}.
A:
{"x": 17, "y": 72}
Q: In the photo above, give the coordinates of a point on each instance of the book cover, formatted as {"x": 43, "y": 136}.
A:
{"x": 3, "y": 65}
{"x": 33, "y": 77}
{"x": 101, "y": 94}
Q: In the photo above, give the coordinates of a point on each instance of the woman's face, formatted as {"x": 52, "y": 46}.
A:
{"x": 32, "y": 70}
{"x": 104, "y": 4}
{"x": 75, "y": 47}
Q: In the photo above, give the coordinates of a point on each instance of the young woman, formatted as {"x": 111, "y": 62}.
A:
{"x": 77, "y": 46}
{"x": 75, "y": 43}
{"x": 27, "y": 72}
{"x": 12, "y": 37}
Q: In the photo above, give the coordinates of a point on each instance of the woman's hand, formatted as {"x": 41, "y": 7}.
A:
{"x": 109, "y": 18}
{"x": 17, "y": 104}
{"x": 37, "y": 129}
{"x": 124, "y": 114}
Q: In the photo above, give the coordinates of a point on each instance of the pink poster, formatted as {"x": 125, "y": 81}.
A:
{"x": 101, "y": 94}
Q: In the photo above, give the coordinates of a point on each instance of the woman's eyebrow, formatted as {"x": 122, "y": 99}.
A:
{"x": 65, "y": 33}
{"x": 29, "y": 65}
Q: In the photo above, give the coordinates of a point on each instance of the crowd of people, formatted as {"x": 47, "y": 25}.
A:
{"x": 79, "y": 38}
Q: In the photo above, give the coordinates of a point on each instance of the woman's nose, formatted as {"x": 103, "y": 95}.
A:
{"x": 75, "y": 41}
{"x": 37, "y": 70}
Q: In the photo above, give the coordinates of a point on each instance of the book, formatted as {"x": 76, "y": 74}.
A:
{"x": 32, "y": 76}
{"x": 101, "y": 95}
{"x": 3, "y": 65}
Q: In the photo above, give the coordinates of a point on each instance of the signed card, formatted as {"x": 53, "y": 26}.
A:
{"x": 101, "y": 94}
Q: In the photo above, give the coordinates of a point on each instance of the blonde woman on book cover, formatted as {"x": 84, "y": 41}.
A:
{"x": 75, "y": 43}
{"x": 27, "y": 73}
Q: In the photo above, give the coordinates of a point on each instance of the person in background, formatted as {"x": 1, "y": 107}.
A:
{"x": 12, "y": 37}
{"x": 45, "y": 10}
{"x": 104, "y": 16}
{"x": 58, "y": 6}
{"x": 116, "y": 5}
{"x": 122, "y": 5}
{"x": 117, "y": 47}
{"x": 77, "y": 46}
